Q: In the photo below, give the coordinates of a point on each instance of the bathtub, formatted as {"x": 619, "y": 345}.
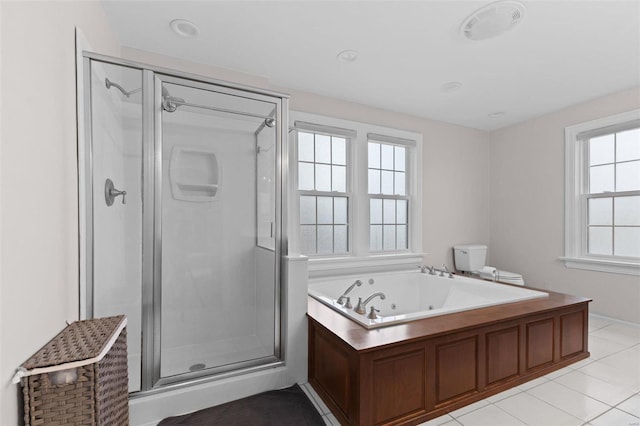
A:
{"x": 415, "y": 295}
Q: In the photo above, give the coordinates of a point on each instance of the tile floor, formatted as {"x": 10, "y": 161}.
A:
{"x": 603, "y": 390}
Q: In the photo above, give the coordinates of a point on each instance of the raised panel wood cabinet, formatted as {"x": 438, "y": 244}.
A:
{"x": 409, "y": 373}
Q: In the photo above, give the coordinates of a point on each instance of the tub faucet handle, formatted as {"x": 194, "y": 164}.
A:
{"x": 348, "y": 304}
{"x": 446, "y": 270}
{"x": 359, "y": 306}
{"x": 372, "y": 313}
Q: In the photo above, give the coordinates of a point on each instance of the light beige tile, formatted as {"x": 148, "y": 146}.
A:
{"x": 535, "y": 412}
{"x": 464, "y": 410}
{"x": 615, "y": 417}
{"x": 595, "y": 388}
{"x": 611, "y": 374}
{"x": 620, "y": 333}
{"x": 533, "y": 383}
{"x": 628, "y": 359}
{"x": 580, "y": 364}
{"x": 558, "y": 373}
{"x": 575, "y": 403}
{"x": 438, "y": 421}
{"x": 600, "y": 347}
{"x": 596, "y": 323}
{"x": 631, "y": 405}
{"x": 502, "y": 395}
{"x": 489, "y": 415}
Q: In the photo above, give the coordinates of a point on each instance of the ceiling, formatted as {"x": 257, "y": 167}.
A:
{"x": 561, "y": 53}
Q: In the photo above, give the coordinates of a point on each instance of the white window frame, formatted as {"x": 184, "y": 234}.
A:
{"x": 576, "y": 170}
{"x": 359, "y": 256}
{"x": 348, "y": 135}
{"x": 408, "y": 145}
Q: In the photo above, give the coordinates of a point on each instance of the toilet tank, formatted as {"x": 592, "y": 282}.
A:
{"x": 469, "y": 257}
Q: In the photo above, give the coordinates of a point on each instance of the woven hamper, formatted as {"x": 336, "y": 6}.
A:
{"x": 79, "y": 377}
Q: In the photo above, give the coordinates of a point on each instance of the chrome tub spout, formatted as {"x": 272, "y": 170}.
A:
{"x": 361, "y": 307}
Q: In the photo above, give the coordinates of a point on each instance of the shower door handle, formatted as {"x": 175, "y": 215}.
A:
{"x": 110, "y": 193}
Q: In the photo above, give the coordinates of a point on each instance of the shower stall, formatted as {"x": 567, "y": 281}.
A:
{"x": 181, "y": 187}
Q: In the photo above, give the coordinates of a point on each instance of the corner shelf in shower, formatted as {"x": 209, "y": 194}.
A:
{"x": 194, "y": 174}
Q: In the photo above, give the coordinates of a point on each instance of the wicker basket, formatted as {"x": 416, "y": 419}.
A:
{"x": 79, "y": 377}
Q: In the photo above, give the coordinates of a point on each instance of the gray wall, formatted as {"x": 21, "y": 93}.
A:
{"x": 527, "y": 207}
{"x": 39, "y": 255}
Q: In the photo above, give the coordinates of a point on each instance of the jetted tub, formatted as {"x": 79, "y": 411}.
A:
{"x": 415, "y": 295}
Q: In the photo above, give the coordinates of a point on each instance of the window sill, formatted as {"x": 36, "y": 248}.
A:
{"x": 328, "y": 266}
{"x": 602, "y": 265}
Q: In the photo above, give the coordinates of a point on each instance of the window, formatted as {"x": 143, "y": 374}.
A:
{"x": 324, "y": 202}
{"x": 354, "y": 194}
{"x": 603, "y": 194}
{"x": 388, "y": 200}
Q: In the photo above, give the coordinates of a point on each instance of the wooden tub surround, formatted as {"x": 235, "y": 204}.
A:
{"x": 408, "y": 373}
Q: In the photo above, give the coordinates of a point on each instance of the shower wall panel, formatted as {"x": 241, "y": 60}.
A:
{"x": 209, "y": 255}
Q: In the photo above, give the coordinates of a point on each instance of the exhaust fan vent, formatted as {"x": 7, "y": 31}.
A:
{"x": 492, "y": 20}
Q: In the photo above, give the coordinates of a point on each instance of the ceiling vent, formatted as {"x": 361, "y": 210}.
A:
{"x": 492, "y": 20}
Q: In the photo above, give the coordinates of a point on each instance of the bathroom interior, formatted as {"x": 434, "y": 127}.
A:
{"x": 281, "y": 192}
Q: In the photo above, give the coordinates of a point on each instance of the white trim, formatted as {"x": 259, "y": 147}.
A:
{"x": 602, "y": 265}
{"x": 323, "y": 267}
{"x": 575, "y": 187}
{"x": 390, "y": 139}
{"x": 319, "y": 128}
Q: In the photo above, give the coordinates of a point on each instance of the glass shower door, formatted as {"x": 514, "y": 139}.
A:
{"x": 216, "y": 264}
{"x": 114, "y": 219}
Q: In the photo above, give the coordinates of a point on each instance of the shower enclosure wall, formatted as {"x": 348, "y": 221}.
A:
{"x": 182, "y": 184}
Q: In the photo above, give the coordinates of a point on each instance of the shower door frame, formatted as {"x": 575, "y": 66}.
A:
{"x": 152, "y": 79}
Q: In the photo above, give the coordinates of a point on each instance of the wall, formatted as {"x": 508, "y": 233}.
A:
{"x": 39, "y": 252}
{"x": 527, "y": 207}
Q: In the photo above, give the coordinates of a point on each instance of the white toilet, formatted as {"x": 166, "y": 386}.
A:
{"x": 470, "y": 258}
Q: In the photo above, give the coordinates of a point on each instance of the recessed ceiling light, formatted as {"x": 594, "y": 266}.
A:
{"x": 348, "y": 56}
{"x": 497, "y": 114}
{"x": 184, "y": 28}
{"x": 452, "y": 86}
{"x": 492, "y": 20}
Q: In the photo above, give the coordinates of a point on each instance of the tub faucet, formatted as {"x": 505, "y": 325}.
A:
{"x": 425, "y": 268}
{"x": 372, "y": 313}
{"x": 341, "y": 299}
{"x": 361, "y": 307}
{"x": 446, "y": 270}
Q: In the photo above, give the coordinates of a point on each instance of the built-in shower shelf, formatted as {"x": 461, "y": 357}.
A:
{"x": 198, "y": 189}
{"x": 194, "y": 174}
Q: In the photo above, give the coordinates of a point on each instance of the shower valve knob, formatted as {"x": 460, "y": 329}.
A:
{"x": 110, "y": 193}
{"x": 123, "y": 193}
